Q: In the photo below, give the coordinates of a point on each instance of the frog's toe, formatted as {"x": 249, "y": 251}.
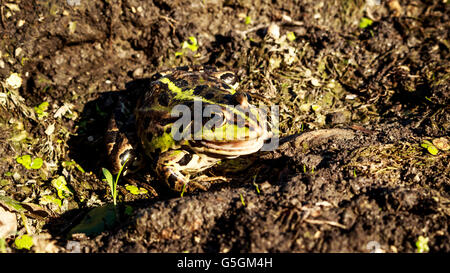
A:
{"x": 178, "y": 182}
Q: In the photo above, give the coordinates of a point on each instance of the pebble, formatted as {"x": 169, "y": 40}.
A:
{"x": 138, "y": 72}
{"x": 274, "y": 31}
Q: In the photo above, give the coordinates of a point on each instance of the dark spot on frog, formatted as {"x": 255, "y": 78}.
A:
{"x": 229, "y": 99}
{"x": 183, "y": 68}
{"x": 181, "y": 83}
{"x": 185, "y": 160}
{"x": 146, "y": 122}
{"x": 194, "y": 77}
{"x": 149, "y": 136}
{"x": 199, "y": 89}
{"x": 209, "y": 95}
{"x": 164, "y": 99}
{"x": 225, "y": 86}
{"x": 208, "y": 68}
{"x": 111, "y": 136}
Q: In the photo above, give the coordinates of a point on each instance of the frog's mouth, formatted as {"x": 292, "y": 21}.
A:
{"x": 232, "y": 148}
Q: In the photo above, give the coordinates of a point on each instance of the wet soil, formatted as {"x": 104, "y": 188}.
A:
{"x": 363, "y": 91}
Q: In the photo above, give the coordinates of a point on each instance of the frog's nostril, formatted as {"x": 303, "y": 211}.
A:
{"x": 241, "y": 99}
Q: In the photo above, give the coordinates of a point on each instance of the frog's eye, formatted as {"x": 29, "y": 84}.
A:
{"x": 229, "y": 78}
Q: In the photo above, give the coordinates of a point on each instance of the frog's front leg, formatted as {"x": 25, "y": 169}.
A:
{"x": 175, "y": 166}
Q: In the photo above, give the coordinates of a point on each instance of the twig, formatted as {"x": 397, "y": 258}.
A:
{"x": 322, "y": 222}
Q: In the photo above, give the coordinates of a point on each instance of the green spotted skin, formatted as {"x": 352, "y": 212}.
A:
{"x": 240, "y": 130}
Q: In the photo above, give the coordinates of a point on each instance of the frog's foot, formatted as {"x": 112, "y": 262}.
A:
{"x": 178, "y": 181}
{"x": 175, "y": 166}
{"x": 210, "y": 179}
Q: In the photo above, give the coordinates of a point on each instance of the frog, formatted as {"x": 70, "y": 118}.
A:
{"x": 150, "y": 135}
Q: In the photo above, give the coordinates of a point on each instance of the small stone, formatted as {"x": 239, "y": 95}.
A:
{"x": 315, "y": 82}
{"x": 50, "y": 129}
{"x": 20, "y": 23}
{"x": 138, "y": 72}
{"x": 441, "y": 143}
{"x": 18, "y": 51}
{"x": 274, "y": 31}
{"x": 73, "y": 3}
{"x": 14, "y": 81}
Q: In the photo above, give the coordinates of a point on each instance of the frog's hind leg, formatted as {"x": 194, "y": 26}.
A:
{"x": 120, "y": 148}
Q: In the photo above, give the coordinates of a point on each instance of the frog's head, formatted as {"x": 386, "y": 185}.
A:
{"x": 232, "y": 126}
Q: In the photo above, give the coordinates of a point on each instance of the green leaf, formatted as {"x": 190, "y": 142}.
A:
{"x": 108, "y": 176}
{"x": 432, "y": 150}
{"x": 248, "y": 20}
{"x": 11, "y": 204}
{"x": 24, "y": 241}
{"x": 50, "y": 199}
{"x": 37, "y": 163}
{"x": 290, "y": 36}
{"x": 25, "y": 160}
{"x": 192, "y": 45}
{"x": 365, "y": 22}
{"x": 70, "y": 164}
{"x": 183, "y": 190}
{"x": 135, "y": 190}
{"x": 242, "y": 199}
{"x": 41, "y": 109}
{"x": 430, "y": 147}
{"x": 422, "y": 244}
{"x": 60, "y": 185}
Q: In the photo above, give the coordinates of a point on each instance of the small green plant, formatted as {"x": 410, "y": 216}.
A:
{"x": 41, "y": 110}
{"x": 46, "y": 199}
{"x": 365, "y": 22}
{"x": 26, "y": 161}
{"x": 430, "y": 147}
{"x": 290, "y": 36}
{"x": 135, "y": 190}
{"x": 24, "y": 241}
{"x": 60, "y": 185}
{"x": 422, "y": 244}
{"x": 183, "y": 190}
{"x": 256, "y": 185}
{"x": 192, "y": 45}
{"x": 248, "y": 20}
{"x": 71, "y": 164}
{"x": 113, "y": 182}
{"x": 242, "y": 199}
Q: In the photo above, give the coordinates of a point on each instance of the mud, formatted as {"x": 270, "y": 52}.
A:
{"x": 360, "y": 98}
